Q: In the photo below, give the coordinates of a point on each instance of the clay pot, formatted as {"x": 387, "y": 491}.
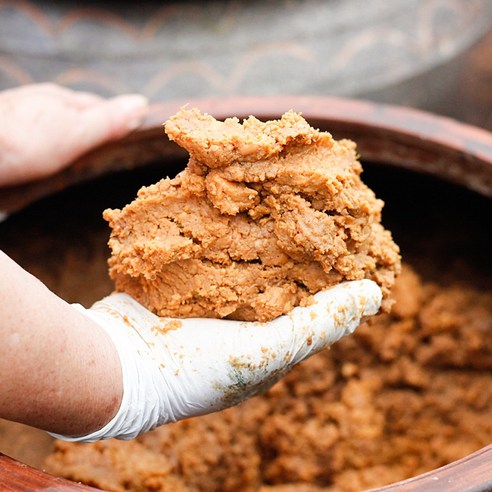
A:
{"x": 393, "y": 136}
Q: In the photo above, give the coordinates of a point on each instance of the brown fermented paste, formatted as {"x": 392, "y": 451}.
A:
{"x": 263, "y": 216}
{"x": 408, "y": 392}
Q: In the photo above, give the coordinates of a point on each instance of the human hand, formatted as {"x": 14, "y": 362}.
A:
{"x": 179, "y": 368}
{"x": 44, "y": 127}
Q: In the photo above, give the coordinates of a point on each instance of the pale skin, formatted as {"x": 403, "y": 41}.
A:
{"x": 58, "y": 360}
{"x": 44, "y": 127}
{"x": 49, "y": 351}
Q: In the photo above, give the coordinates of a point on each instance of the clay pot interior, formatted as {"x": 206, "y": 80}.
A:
{"x": 439, "y": 226}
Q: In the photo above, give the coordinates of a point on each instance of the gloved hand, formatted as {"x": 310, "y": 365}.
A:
{"x": 178, "y": 368}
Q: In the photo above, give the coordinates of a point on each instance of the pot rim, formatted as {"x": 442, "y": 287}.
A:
{"x": 389, "y": 134}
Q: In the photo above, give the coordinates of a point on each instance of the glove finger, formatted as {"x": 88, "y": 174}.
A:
{"x": 334, "y": 314}
{"x": 259, "y": 352}
{"x": 241, "y": 359}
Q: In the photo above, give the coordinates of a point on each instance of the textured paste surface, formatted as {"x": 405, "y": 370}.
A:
{"x": 264, "y": 215}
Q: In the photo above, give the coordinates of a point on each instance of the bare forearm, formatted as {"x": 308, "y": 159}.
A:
{"x": 59, "y": 370}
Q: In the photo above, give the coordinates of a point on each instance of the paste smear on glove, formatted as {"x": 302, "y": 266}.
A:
{"x": 264, "y": 215}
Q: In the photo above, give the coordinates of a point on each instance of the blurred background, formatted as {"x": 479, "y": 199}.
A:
{"x": 430, "y": 54}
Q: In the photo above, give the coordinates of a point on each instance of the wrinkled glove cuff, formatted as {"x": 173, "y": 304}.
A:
{"x": 140, "y": 406}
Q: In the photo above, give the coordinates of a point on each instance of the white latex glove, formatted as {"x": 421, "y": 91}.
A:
{"x": 174, "y": 369}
